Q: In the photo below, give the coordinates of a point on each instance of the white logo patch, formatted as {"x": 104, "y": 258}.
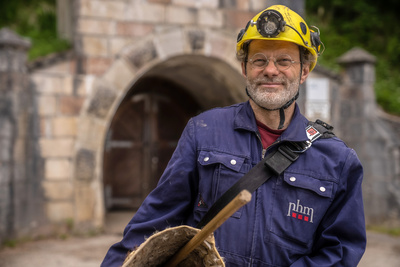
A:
{"x": 300, "y": 212}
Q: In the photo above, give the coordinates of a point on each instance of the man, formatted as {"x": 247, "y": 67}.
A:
{"x": 312, "y": 214}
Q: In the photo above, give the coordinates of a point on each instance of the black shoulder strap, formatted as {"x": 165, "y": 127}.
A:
{"x": 324, "y": 128}
{"x": 274, "y": 163}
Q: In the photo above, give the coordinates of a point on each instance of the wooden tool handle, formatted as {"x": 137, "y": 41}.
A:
{"x": 240, "y": 200}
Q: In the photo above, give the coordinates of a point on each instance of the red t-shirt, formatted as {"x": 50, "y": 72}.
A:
{"x": 268, "y": 135}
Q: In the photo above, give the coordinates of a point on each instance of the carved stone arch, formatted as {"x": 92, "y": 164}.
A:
{"x": 201, "y": 61}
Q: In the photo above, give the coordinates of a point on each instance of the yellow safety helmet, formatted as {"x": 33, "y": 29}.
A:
{"x": 280, "y": 23}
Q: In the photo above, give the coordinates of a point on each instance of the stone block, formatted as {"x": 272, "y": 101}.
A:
{"x": 181, "y": 15}
{"x": 237, "y": 19}
{"x": 83, "y": 84}
{"x": 96, "y": 26}
{"x": 85, "y": 199}
{"x": 196, "y": 39}
{"x": 19, "y": 152}
{"x": 133, "y": 29}
{"x": 46, "y": 127}
{"x": 197, "y": 4}
{"x": 102, "y": 100}
{"x": 170, "y": 43}
{"x": 60, "y": 147}
{"x": 65, "y": 126}
{"x": 91, "y": 132}
{"x": 118, "y": 43}
{"x": 94, "y": 46}
{"x": 220, "y": 46}
{"x": 97, "y": 65}
{"x": 70, "y": 105}
{"x": 160, "y": 1}
{"x": 67, "y": 85}
{"x": 144, "y": 12}
{"x": 85, "y": 164}
{"x": 6, "y": 127}
{"x": 102, "y": 9}
{"x": 5, "y": 174}
{"x": 47, "y": 105}
{"x": 211, "y": 18}
{"x": 258, "y": 6}
{"x": 120, "y": 75}
{"x": 235, "y": 4}
{"x": 60, "y": 190}
{"x": 142, "y": 55}
{"x": 58, "y": 63}
{"x": 243, "y": 5}
{"x": 4, "y": 209}
{"x": 57, "y": 169}
{"x": 47, "y": 84}
{"x": 59, "y": 211}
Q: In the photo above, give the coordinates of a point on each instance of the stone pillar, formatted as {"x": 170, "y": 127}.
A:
{"x": 362, "y": 130}
{"x": 17, "y": 187}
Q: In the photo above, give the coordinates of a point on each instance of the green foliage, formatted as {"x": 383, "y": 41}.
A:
{"x": 35, "y": 19}
{"x": 10, "y": 243}
{"x": 368, "y": 24}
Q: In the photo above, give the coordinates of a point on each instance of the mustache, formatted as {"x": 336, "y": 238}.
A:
{"x": 269, "y": 80}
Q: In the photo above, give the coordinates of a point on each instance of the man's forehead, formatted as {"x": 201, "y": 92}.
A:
{"x": 269, "y": 46}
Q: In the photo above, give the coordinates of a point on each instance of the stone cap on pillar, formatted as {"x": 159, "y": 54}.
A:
{"x": 10, "y": 38}
{"x": 356, "y": 55}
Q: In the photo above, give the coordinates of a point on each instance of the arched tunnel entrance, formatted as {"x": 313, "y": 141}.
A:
{"x": 141, "y": 139}
{"x": 150, "y": 118}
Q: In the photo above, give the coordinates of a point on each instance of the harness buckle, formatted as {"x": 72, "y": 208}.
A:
{"x": 301, "y": 147}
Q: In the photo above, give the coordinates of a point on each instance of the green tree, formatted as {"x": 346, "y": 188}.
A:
{"x": 368, "y": 24}
{"x": 35, "y": 19}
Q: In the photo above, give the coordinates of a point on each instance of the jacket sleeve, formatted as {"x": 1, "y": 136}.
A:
{"x": 341, "y": 236}
{"x": 167, "y": 205}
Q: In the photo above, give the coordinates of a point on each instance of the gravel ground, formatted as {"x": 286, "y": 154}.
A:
{"x": 382, "y": 250}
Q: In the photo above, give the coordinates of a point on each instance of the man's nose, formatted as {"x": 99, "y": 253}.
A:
{"x": 271, "y": 69}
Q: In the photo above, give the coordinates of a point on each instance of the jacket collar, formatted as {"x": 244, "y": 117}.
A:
{"x": 245, "y": 120}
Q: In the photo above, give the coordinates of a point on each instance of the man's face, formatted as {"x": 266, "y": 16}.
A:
{"x": 270, "y": 87}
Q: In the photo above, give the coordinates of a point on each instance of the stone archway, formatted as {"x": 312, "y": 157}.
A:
{"x": 201, "y": 62}
{"x": 142, "y": 136}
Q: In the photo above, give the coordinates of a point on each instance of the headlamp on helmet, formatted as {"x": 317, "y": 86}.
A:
{"x": 270, "y": 23}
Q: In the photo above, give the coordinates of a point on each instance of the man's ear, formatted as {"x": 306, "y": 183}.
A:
{"x": 244, "y": 70}
{"x": 304, "y": 73}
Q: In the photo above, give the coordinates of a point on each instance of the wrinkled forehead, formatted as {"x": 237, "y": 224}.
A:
{"x": 273, "y": 48}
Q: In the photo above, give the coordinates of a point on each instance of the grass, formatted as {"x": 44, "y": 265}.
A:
{"x": 392, "y": 231}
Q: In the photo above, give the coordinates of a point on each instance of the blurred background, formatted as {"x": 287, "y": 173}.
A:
{"x": 94, "y": 95}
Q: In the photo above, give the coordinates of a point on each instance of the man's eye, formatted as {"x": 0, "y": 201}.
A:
{"x": 284, "y": 61}
{"x": 259, "y": 61}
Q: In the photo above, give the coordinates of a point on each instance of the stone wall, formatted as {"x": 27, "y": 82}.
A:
{"x": 103, "y": 28}
{"x": 59, "y": 94}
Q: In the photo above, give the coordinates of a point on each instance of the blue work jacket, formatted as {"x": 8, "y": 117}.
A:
{"x": 311, "y": 215}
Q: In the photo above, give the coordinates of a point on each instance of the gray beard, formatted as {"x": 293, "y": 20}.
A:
{"x": 272, "y": 101}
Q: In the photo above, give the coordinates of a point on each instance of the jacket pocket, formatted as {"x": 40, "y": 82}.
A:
{"x": 217, "y": 173}
{"x": 299, "y": 204}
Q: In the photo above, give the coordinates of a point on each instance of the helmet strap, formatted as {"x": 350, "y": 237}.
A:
{"x": 281, "y": 118}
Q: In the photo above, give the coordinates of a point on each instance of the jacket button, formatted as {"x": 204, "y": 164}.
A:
{"x": 322, "y": 189}
{"x": 292, "y": 179}
{"x": 233, "y": 162}
{"x": 206, "y": 159}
